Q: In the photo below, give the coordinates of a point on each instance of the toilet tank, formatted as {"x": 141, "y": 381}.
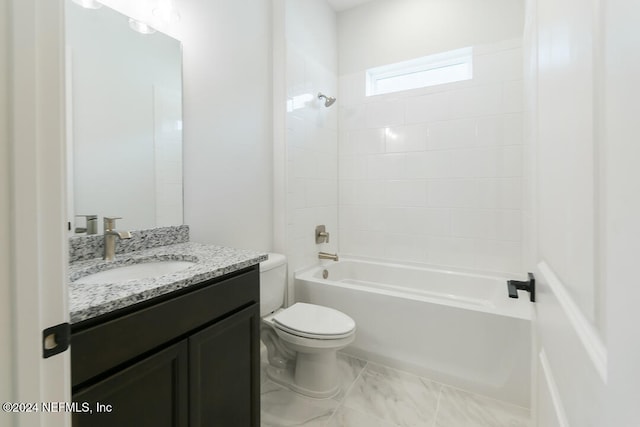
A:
{"x": 273, "y": 283}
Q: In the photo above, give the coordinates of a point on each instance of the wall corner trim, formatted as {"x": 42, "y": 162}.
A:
{"x": 585, "y": 331}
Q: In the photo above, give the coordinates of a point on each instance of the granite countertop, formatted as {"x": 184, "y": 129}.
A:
{"x": 88, "y": 301}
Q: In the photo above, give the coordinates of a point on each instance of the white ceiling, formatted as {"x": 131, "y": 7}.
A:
{"x": 340, "y": 5}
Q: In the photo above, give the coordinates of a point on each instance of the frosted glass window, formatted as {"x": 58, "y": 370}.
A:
{"x": 447, "y": 67}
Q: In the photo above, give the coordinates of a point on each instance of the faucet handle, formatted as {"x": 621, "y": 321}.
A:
{"x": 322, "y": 236}
{"x": 91, "y": 226}
{"x": 110, "y": 222}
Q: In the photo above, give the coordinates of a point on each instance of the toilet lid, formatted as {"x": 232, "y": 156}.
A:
{"x": 310, "y": 319}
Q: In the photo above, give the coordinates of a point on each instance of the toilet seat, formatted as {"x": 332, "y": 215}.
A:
{"x": 315, "y": 322}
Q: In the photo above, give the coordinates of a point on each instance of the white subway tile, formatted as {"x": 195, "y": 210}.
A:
{"x": 352, "y": 117}
{"x": 490, "y": 131}
{"x": 363, "y": 243}
{"x": 430, "y": 174}
{"x": 496, "y": 255}
{"x": 405, "y": 138}
{"x": 475, "y": 101}
{"x": 295, "y": 74}
{"x": 380, "y": 115}
{"x": 394, "y": 219}
{"x": 404, "y": 247}
{"x": 434, "y": 222}
{"x": 500, "y": 193}
{"x": 473, "y": 223}
{"x": 451, "y": 251}
{"x": 346, "y": 146}
{"x": 368, "y": 141}
{"x": 509, "y": 225}
{"x": 452, "y": 134}
{"x": 430, "y": 164}
{"x": 321, "y": 193}
{"x": 513, "y": 97}
{"x": 352, "y": 167}
{"x": 306, "y": 164}
{"x": 352, "y": 89}
{"x": 471, "y": 162}
{"x": 370, "y": 193}
{"x": 505, "y": 193}
{"x": 323, "y": 140}
{"x": 347, "y": 192}
{"x": 406, "y": 193}
{"x": 377, "y": 218}
{"x": 297, "y": 192}
{"x": 429, "y": 108}
{"x": 509, "y": 161}
{"x": 350, "y": 217}
{"x": 296, "y": 131}
{"x": 385, "y": 166}
{"x": 498, "y": 66}
{"x": 513, "y": 130}
{"x": 327, "y": 166}
{"x": 456, "y": 193}
{"x": 302, "y": 221}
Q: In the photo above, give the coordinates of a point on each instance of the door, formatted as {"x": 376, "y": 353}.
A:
{"x": 582, "y": 209}
{"x": 225, "y": 372}
{"x": 35, "y": 214}
{"x": 152, "y": 392}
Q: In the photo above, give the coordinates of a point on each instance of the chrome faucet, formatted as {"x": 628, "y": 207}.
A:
{"x": 325, "y": 255}
{"x": 110, "y": 237}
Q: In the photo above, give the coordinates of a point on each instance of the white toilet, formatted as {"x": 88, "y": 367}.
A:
{"x": 301, "y": 340}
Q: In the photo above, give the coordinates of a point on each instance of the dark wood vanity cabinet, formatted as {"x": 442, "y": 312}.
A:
{"x": 187, "y": 359}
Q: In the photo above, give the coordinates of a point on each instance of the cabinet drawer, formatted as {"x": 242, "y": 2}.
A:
{"x": 100, "y": 348}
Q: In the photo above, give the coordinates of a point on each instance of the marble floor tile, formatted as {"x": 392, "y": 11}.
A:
{"x": 396, "y": 397}
{"x": 281, "y": 407}
{"x": 349, "y": 369}
{"x": 347, "y": 417}
{"x": 459, "y": 408}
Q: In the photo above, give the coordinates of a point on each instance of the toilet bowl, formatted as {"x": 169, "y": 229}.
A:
{"x": 302, "y": 340}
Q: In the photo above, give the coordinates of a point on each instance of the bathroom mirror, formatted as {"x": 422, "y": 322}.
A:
{"x": 124, "y": 112}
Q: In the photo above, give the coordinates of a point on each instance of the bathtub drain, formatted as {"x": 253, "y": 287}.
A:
{"x": 325, "y": 274}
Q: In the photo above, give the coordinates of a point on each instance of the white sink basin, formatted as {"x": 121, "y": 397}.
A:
{"x": 145, "y": 270}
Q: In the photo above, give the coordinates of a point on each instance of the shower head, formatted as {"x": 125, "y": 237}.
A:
{"x": 328, "y": 100}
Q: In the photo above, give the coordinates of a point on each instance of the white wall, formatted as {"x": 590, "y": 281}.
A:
{"x": 227, "y": 121}
{"x": 311, "y": 129}
{"x": 388, "y": 31}
{"x": 433, "y": 175}
{"x": 622, "y": 178}
{"x": 6, "y": 324}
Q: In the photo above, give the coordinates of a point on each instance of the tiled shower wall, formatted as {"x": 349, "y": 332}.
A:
{"x": 311, "y": 131}
{"x": 434, "y": 175}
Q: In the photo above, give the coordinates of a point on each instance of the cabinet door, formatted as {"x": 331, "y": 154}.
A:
{"x": 224, "y": 370}
{"x": 153, "y": 392}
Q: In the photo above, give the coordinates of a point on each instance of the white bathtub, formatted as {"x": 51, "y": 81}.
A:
{"x": 453, "y": 327}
